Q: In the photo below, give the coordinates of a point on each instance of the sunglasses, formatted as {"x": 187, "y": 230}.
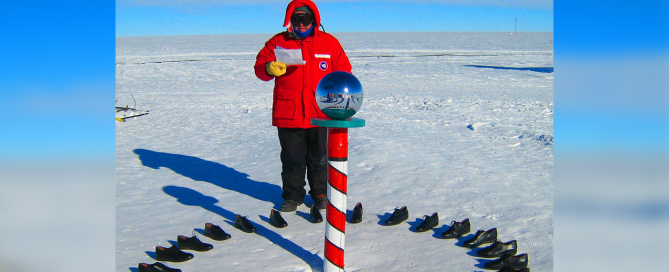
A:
{"x": 301, "y": 18}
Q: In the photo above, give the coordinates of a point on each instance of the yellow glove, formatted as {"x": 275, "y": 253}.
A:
{"x": 275, "y": 68}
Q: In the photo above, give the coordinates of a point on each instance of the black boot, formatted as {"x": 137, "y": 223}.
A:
{"x": 357, "y": 213}
{"x": 192, "y": 243}
{"x": 276, "y": 220}
{"x": 316, "y": 216}
{"x": 244, "y": 225}
{"x": 399, "y": 215}
{"x": 457, "y": 229}
{"x": 482, "y": 237}
{"x": 321, "y": 202}
{"x": 215, "y": 232}
{"x": 508, "y": 260}
{"x": 172, "y": 254}
{"x": 498, "y": 249}
{"x": 290, "y": 205}
{"x": 429, "y": 222}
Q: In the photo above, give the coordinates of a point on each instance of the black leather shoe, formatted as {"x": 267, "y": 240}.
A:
{"x": 163, "y": 268}
{"x": 316, "y": 216}
{"x": 498, "y": 249}
{"x": 215, "y": 232}
{"x": 399, "y": 215}
{"x": 509, "y": 269}
{"x": 144, "y": 267}
{"x": 429, "y": 222}
{"x": 321, "y": 202}
{"x": 508, "y": 260}
{"x": 357, "y": 213}
{"x": 457, "y": 229}
{"x": 244, "y": 225}
{"x": 482, "y": 237}
{"x": 276, "y": 220}
{"x": 192, "y": 243}
{"x": 156, "y": 267}
{"x": 289, "y": 205}
{"x": 172, "y": 254}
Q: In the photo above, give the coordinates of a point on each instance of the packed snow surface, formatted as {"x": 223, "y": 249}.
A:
{"x": 456, "y": 123}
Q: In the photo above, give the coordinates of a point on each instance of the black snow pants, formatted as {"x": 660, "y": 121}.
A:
{"x": 303, "y": 151}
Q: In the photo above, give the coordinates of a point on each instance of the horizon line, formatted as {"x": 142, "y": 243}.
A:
{"x": 177, "y": 35}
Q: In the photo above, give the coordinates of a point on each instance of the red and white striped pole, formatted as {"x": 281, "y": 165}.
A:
{"x": 335, "y": 226}
{"x": 339, "y": 96}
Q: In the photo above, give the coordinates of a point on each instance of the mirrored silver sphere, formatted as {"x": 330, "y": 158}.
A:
{"x": 339, "y": 95}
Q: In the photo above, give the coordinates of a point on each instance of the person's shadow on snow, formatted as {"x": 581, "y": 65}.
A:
{"x": 191, "y": 197}
{"x": 212, "y": 172}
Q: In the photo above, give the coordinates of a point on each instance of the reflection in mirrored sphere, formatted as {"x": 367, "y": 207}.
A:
{"x": 339, "y": 95}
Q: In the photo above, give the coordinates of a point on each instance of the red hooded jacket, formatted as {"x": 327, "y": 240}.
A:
{"x": 294, "y": 92}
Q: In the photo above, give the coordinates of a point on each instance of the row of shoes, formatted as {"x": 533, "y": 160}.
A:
{"x": 508, "y": 260}
{"x": 276, "y": 220}
{"x": 175, "y": 253}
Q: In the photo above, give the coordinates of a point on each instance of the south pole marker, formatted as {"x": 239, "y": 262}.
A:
{"x": 339, "y": 96}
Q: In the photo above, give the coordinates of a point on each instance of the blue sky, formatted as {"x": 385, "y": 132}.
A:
{"x": 59, "y": 58}
{"x": 183, "y": 17}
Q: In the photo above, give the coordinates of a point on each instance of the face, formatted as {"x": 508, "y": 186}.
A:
{"x": 298, "y": 19}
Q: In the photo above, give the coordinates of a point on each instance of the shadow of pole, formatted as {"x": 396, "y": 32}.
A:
{"x": 191, "y": 197}
{"x": 212, "y": 172}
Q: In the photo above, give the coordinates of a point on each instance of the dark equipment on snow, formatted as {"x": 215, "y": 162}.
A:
{"x": 244, "y": 225}
{"x": 316, "y": 216}
{"x": 429, "y": 222}
{"x": 399, "y": 215}
{"x": 276, "y": 220}
{"x": 498, "y": 249}
{"x": 357, "y": 213}
{"x": 508, "y": 260}
{"x": 172, "y": 254}
{"x": 457, "y": 229}
{"x": 192, "y": 243}
{"x": 215, "y": 232}
{"x": 482, "y": 237}
{"x": 156, "y": 267}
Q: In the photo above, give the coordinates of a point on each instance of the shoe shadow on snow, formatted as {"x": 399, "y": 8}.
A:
{"x": 383, "y": 218}
{"x": 212, "y": 172}
{"x": 438, "y": 231}
{"x": 151, "y": 254}
{"x": 413, "y": 226}
{"x": 304, "y": 215}
{"x": 482, "y": 263}
{"x": 461, "y": 241}
{"x": 191, "y": 197}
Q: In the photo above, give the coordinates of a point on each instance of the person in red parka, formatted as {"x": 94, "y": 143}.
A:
{"x": 303, "y": 146}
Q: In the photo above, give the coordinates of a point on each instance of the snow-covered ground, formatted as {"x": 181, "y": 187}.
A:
{"x": 457, "y": 123}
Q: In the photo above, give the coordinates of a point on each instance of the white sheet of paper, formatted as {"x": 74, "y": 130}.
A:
{"x": 289, "y": 56}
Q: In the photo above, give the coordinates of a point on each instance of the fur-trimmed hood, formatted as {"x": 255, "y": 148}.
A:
{"x": 296, "y": 4}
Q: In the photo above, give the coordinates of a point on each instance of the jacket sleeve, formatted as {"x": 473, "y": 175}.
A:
{"x": 340, "y": 60}
{"x": 265, "y": 55}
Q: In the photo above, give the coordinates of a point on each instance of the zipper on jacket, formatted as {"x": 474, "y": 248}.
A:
{"x": 304, "y": 84}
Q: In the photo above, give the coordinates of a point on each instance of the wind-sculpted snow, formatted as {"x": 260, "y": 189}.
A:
{"x": 443, "y": 134}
